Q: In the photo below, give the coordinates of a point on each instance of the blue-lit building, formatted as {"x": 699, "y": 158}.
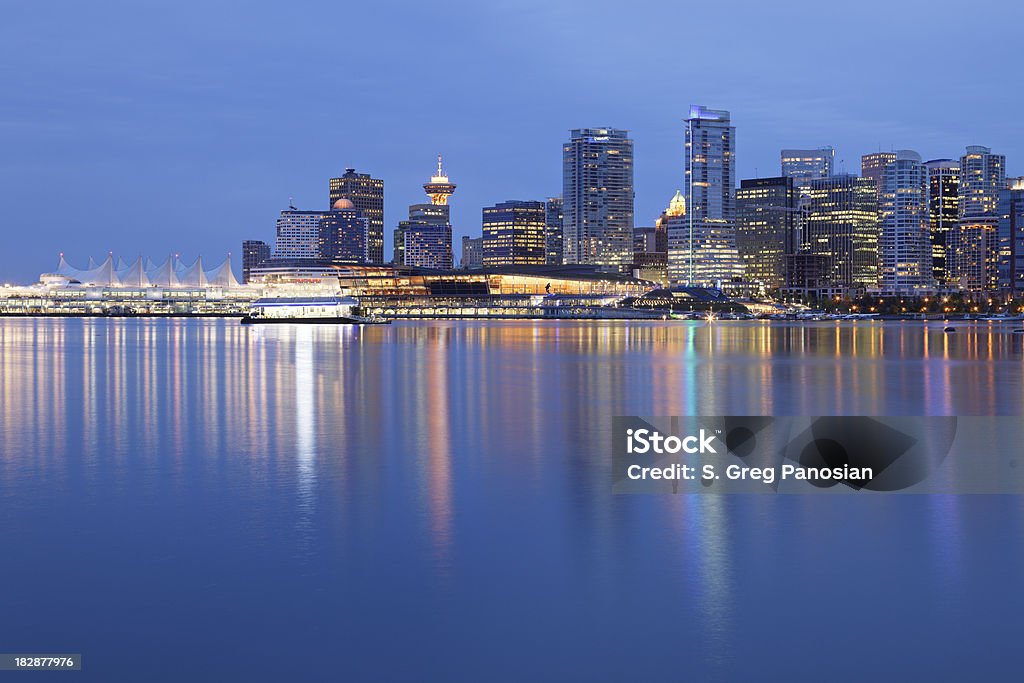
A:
{"x": 702, "y": 250}
{"x": 425, "y": 240}
{"x": 553, "y": 234}
{"x": 344, "y": 234}
{"x": 254, "y": 254}
{"x": 1011, "y": 237}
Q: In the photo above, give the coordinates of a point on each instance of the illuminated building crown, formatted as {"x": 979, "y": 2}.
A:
{"x": 439, "y": 188}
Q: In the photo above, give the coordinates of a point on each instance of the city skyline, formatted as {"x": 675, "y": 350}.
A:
{"x": 215, "y": 128}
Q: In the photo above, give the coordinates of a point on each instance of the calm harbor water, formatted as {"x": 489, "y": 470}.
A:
{"x": 196, "y": 500}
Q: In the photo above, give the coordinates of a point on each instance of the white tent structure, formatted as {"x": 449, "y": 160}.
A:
{"x": 194, "y": 276}
{"x": 164, "y": 275}
{"x": 179, "y": 266}
{"x": 222, "y": 276}
{"x": 134, "y": 275}
{"x": 103, "y": 274}
{"x": 143, "y": 272}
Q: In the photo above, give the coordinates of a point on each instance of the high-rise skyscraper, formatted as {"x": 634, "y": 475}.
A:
{"x": 367, "y": 196}
{"x": 873, "y": 166}
{"x": 597, "y": 198}
{"x": 1011, "y": 237}
{"x": 904, "y": 247}
{"x": 841, "y": 224}
{"x": 425, "y": 240}
{"x": 707, "y": 254}
{"x": 254, "y": 254}
{"x": 974, "y": 252}
{"x": 805, "y": 164}
{"x": 513, "y": 233}
{"x": 700, "y": 256}
{"x": 765, "y": 227}
{"x": 343, "y": 234}
{"x": 298, "y": 234}
{"x": 553, "y": 235}
{"x": 943, "y": 213}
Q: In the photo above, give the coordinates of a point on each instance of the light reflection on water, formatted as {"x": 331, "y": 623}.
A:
{"x": 428, "y": 486}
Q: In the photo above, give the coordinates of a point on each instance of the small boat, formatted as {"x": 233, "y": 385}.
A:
{"x": 1018, "y": 331}
{"x": 949, "y": 328}
{"x": 316, "y": 310}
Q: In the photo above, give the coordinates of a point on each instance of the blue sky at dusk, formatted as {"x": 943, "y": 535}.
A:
{"x": 159, "y": 127}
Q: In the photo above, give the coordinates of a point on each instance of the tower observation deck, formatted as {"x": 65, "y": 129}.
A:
{"x": 439, "y": 188}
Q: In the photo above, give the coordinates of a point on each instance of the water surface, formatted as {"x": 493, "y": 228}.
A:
{"x": 196, "y": 500}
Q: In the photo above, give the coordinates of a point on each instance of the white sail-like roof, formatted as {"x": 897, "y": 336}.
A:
{"x": 179, "y": 266}
{"x": 164, "y": 275}
{"x": 103, "y": 274}
{"x": 194, "y": 275}
{"x": 134, "y": 275}
{"x": 66, "y": 269}
{"x": 222, "y": 275}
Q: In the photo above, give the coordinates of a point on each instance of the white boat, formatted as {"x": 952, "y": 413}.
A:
{"x": 308, "y": 309}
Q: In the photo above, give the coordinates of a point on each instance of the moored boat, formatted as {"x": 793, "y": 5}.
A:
{"x": 331, "y": 310}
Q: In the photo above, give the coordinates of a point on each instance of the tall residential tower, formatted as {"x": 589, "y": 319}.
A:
{"x": 904, "y": 248}
{"x": 706, "y": 255}
{"x": 974, "y": 253}
{"x": 597, "y": 198}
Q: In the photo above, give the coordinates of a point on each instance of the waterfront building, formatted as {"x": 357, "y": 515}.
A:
{"x": 943, "y": 213}
{"x": 553, "y": 235}
{"x": 344, "y": 233}
{"x": 805, "y": 164}
{"x": 766, "y": 219}
{"x": 841, "y": 224}
{"x": 974, "y": 252}
{"x": 298, "y": 234}
{"x": 904, "y": 247}
{"x": 367, "y": 196}
{"x": 254, "y": 253}
{"x": 704, "y": 253}
{"x": 1011, "y": 237}
{"x": 597, "y": 198}
{"x": 514, "y": 233}
{"x": 472, "y": 253}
